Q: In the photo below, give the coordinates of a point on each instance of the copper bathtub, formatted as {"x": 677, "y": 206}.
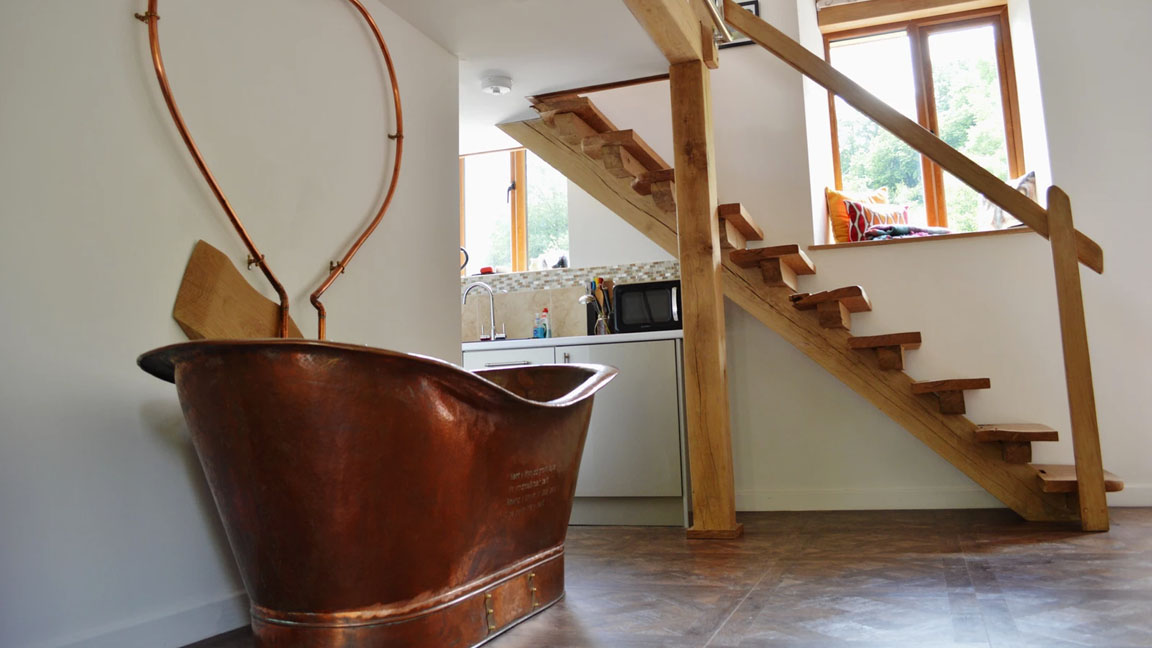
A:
{"x": 374, "y": 498}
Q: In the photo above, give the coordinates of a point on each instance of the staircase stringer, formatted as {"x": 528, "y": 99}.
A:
{"x": 950, "y": 436}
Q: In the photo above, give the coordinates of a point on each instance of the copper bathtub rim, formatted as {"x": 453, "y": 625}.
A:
{"x": 161, "y": 363}
{"x": 152, "y": 18}
{"x": 441, "y": 602}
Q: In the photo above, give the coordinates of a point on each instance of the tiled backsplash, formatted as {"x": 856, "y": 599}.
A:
{"x": 519, "y": 296}
{"x": 568, "y": 277}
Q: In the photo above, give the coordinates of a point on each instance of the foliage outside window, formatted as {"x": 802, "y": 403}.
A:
{"x": 953, "y": 75}
{"x": 513, "y": 212}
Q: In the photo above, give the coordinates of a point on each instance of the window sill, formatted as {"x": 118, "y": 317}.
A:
{"x": 924, "y": 239}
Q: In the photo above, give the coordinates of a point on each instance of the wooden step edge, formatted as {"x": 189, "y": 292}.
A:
{"x": 906, "y": 341}
{"x": 631, "y": 142}
{"x": 581, "y": 106}
{"x": 952, "y": 385}
{"x": 643, "y": 183}
{"x": 790, "y": 255}
{"x": 1015, "y": 433}
{"x": 735, "y": 214}
{"x": 569, "y": 127}
{"x": 852, "y": 297}
{"x": 1061, "y": 478}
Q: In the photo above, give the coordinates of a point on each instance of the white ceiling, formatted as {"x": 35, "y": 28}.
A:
{"x": 543, "y": 45}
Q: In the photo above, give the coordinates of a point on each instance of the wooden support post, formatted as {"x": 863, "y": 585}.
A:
{"x": 952, "y": 402}
{"x": 1016, "y": 452}
{"x": 705, "y": 360}
{"x": 778, "y": 274}
{"x": 834, "y": 314}
{"x": 1077, "y": 365}
{"x": 890, "y": 358}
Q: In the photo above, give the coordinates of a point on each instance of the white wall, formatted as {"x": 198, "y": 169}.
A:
{"x": 986, "y": 306}
{"x": 595, "y": 237}
{"x": 108, "y": 536}
{"x": 1099, "y": 141}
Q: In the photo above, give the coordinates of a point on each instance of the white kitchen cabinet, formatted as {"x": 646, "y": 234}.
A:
{"x": 494, "y": 358}
{"x": 633, "y": 470}
{"x": 633, "y": 446}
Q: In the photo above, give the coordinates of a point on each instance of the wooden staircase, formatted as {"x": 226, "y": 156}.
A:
{"x": 623, "y": 172}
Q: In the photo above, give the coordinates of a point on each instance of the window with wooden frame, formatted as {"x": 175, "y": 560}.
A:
{"x": 513, "y": 212}
{"x": 952, "y": 73}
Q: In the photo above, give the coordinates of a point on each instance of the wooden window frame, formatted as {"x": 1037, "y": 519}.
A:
{"x": 919, "y": 30}
{"x": 517, "y": 204}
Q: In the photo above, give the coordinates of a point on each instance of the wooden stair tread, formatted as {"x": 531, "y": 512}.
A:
{"x": 790, "y": 255}
{"x": 736, "y": 214}
{"x": 909, "y": 340}
{"x": 631, "y": 142}
{"x": 1015, "y": 433}
{"x": 643, "y": 183}
{"x": 852, "y": 297}
{"x": 955, "y": 384}
{"x": 1061, "y": 478}
{"x": 582, "y": 107}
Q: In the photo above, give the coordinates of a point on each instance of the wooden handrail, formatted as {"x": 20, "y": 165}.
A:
{"x": 925, "y": 142}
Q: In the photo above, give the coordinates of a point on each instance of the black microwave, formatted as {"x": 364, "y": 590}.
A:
{"x": 650, "y": 306}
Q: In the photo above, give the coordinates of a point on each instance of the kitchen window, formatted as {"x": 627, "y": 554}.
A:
{"x": 513, "y": 212}
{"x": 953, "y": 74}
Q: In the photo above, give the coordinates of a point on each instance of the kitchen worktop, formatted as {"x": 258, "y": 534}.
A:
{"x": 529, "y": 343}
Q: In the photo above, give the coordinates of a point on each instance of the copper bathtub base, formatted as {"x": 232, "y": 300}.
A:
{"x": 484, "y": 612}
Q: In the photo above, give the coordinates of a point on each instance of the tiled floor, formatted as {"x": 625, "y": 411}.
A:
{"x": 870, "y": 578}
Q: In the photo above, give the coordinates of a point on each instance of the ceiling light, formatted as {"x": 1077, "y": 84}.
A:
{"x": 496, "y": 85}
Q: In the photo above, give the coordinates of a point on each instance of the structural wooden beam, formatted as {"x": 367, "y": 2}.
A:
{"x": 951, "y": 437}
{"x": 1077, "y": 366}
{"x": 915, "y": 135}
{"x": 705, "y": 357}
{"x": 672, "y": 25}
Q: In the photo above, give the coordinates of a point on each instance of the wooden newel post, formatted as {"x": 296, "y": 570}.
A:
{"x": 1077, "y": 364}
{"x": 705, "y": 361}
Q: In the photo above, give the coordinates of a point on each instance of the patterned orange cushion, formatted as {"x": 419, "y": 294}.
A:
{"x": 861, "y": 216}
{"x": 838, "y": 213}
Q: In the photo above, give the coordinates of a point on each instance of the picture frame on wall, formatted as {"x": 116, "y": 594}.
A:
{"x": 739, "y": 39}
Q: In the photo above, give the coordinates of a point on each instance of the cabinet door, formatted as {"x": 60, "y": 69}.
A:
{"x": 474, "y": 360}
{"x": 633, "y": 447}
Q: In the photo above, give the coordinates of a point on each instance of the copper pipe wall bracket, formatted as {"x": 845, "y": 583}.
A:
{"x": 146, "y": 16}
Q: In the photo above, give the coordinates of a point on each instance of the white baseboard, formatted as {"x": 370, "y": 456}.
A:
{"x": 878, "y": 499}
{"x": 1132, "y": 495}
{"x": 864, "y": 499}
{"x": 168, "y": 630}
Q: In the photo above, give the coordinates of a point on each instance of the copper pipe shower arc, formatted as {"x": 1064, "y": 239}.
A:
{"x": 338, "y": 268}
{"x": 151, "y": 17}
